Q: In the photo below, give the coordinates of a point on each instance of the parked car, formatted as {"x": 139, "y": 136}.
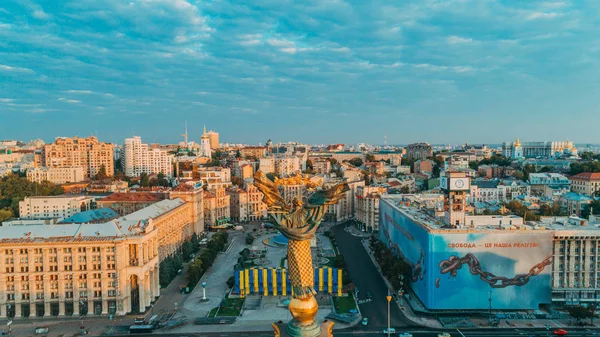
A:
{"x": 444, "y": 334}
{"x": 560, "y": 332}
{"x": 405, "y": 334}
{"x": 365, "y": 321}
{"x": 41, "y": 330}
{"x": 392, "y": 330}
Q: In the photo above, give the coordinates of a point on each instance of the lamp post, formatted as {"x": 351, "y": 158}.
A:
{"x": 389, "y": 299}
{"x": 203, "y": 291}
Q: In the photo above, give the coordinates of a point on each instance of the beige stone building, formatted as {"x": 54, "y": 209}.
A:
{"x": 60, "y": 206}
{"x": 246, "y": 204}
{"x": 289, "y": 192}
{"x": 213, "y": 139}
{"x": 345, "y": 209}
{"x": 321, "y": 166}
{"x": 367, "y": 206}
{"x": 87, "y": 153}
{"x": 216, "y": 207}
{"x": 89, "y": 269}
{"x": 215, "y": 177}
{"x": 253, "y": 151}
{"x": 586, "y": 183}
{"x": 126, "y": 203}
{"x": 56, "y": 175}
{"x": 138, "y": 158}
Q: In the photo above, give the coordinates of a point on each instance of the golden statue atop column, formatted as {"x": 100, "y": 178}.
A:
{"x": 298, "y": 221}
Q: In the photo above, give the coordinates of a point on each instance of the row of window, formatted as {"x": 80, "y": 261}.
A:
{"x": 55, "y": 250}
{"x": 54, "y": 295}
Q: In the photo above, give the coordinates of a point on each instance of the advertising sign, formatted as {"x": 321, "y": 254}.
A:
{"x": 464, "y": 270}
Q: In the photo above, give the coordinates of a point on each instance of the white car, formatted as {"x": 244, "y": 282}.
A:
{"x": 444, "y": 334}
{"x": 392, "y": 330}
{"x": 405, "y": 334}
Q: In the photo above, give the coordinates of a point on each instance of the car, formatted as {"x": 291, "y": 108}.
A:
{"x": 369, "y": 296}
{"x": 365, "y": 321}
{"x": 392, "y": 331}
{"x": 41, "y": 331}
{"x": 560, "y": 332}
{"x": 405, "y": 334}
{"x": 444, "y": 334}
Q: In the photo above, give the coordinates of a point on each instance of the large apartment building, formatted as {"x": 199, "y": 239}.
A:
{"x": 56, "y": 175}
{"x": 87, "y": 153}
{"x": 53, "y": 207}
{"x": 138, "y": 158}
{"x": 90, "y": 269}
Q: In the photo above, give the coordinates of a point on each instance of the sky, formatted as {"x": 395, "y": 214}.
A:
{"x": 315, "y": 71}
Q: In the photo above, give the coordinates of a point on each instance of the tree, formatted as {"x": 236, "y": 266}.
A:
{"x": 195, "y": 272}
{"x": 101, "y": 175}
{"x": 162, "y": 180}
{"x": 594, "y": 205}
{"x": 309, "y": 165}
{"x": 579, "y": 312}
{"x": 6, "y": 214}
{"x": 356, "y": 162}
{"x": 237, "y": 181}
{"x": 144, "y": 180}
{"x": 591, "y": 166}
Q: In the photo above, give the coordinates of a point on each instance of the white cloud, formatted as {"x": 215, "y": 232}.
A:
{"x": 341, "y": 50}
{"x": 6, "y": 100}
{"x": 40, "y": 15}
{"x": 283, "y": 43}
{"x": 290, "y": 50}
{"x": 543, "y": 15}
{"x": 83, "y": 92}
{"x": 15, "y": 69}
{"x": 458, "y": 40}
{"x": 70, "y": 101}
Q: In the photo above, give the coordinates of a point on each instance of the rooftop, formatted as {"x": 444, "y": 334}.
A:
{"x": 129, "y": 225}
{"x": 94, "y": 215}
{"x": 586, "y": 176}
{"x": 134, "y": 197}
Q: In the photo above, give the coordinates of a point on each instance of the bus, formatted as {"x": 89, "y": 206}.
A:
{"x": 141, "y": 328}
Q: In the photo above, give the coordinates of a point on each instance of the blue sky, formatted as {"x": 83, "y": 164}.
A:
{"x": 317, "y": 71}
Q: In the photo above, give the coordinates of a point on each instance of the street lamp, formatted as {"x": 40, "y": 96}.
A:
{"x": 389, "y": 299}
{"x": 204, "y": 292}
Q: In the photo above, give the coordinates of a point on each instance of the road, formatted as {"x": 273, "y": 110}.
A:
{"x": 414, "y": 332}
{"x": 366, "y": 277}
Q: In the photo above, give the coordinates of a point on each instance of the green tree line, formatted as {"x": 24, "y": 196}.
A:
{"x": 14, "y": 188}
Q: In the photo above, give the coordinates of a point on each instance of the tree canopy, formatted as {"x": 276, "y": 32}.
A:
{"x": 14, "y": 188}
{"x": 590, "y": 166}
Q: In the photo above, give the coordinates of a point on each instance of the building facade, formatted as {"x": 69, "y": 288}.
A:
{"x": 127, "y": 203}
{"x": 538, "y": 181}
{"x": 87, "y": 153}
{"x": 247, "y": 204}
{"x": 538, "y": 149}
{"x": 56, "y": 175}
{"x": 89, "y": 269}
{"x": 205, "y": 150}
{"x": 586, "y": 183}
{"x": 217, "y": 207}
{"x": 419, "y": 151}
{"x": 367, "y": 206}
{"x": 213, "y": 139}
{"x": 53, "y": 207}
{"x": 138, "y": 158}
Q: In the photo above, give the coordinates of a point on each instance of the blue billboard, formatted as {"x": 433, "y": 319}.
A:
{"x": 462, "y": 269}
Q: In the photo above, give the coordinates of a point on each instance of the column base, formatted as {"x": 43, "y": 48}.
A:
{"x": 295, "y": 329}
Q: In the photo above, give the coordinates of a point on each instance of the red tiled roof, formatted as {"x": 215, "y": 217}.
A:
{"x": 587, "y": 176}
{"x": 208, "y": 195}
{"x": 183, "y": 188}
{"x": 134, "y": 197}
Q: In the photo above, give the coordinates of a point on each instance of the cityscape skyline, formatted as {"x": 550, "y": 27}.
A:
{"x": 335, "y": 68}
